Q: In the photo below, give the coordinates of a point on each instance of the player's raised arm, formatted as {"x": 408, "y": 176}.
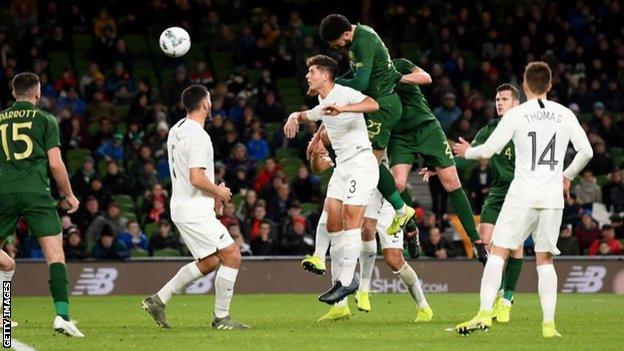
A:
{"x": 365, "y": 106}
{"x": 493, "y": 145}
{"x": 417, "y": 77}
{"x": 583, "y": 148}
{"x": 292, "y": 124}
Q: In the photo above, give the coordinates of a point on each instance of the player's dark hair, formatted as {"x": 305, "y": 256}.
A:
{"x": 324, "y": 63}
{"x": 538, "y": 76}
{"x": 333, "y": 26}
{"x": 515, "y": 94}
{"x": 24, "y": 82}
{"x": 192, "y": 96}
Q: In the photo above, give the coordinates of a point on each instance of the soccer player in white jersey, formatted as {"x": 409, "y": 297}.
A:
{"x": 356, "y": 174}
{"x": 540, "y": 130}
{"x": 193, "y": 201}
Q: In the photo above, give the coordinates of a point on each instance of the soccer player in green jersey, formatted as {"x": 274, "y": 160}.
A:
{"x": 372, "y": 73}
{"x": 29, "y": 144}
{"x": 420, "y": 133}
{"x": 502, "y": 166}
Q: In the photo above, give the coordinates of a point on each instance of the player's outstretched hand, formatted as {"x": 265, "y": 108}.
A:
{"x": 426, "y": 173}
{"x": 73, "y": 203}
{"x": 292, "y": 125}
{"x": 459, "y": 149}
{"x": 224, "y": 193}
{"x": 332, "y": 110}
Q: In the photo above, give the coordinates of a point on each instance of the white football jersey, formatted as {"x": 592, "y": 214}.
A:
{"x": 189, "y": 146}
{"x": 540, "y": 130}
{"x": 347, "y": 131}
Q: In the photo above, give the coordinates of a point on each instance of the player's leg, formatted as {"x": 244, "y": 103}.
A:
{"x": 511, "y": 274}
{"x": 339, "y": 310}
{"x": 367, "y": 256}
{"x": 8, "y": 220}
{"x": 225, "y": 280}
{"x": 545, "y": 238}
{"x": 315, "y": 263}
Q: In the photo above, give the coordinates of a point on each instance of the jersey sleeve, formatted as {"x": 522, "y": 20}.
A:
{"x": 364, "y": 55}
{"x": 314, "y": 114}
{"x": 198, "y": 154}
{"x": 354, "y": 96}
{"x": 583, "y": 148}
{"x": 495, "y": 143}
{"x": 51, "y": 133}
{"x": 481, "y": 137}
{"x": 404, "y": 66}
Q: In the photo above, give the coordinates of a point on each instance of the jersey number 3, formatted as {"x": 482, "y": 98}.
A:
{"x": 16, "y": 137}
{"x": 549, "y": 150}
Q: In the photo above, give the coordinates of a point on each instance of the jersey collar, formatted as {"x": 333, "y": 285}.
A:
{"x": 23, "y": 104}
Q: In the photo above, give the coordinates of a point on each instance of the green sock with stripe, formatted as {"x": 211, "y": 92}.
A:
{"x": 511, "y": 276}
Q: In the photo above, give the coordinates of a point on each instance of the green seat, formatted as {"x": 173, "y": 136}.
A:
{"x": 59, "y": 60}
{"x": 150, "y": 229}
{"x": 138, "y": 253}
{"x": 123, "y": 199}
{"x": 82, "y": 42}
{"x": 121, "y": 112}
{"x": 130, "y": 216}
{"x": 585, "y": 117}
{"x": 82, "y": 66}
{"x": 137, "y": 45}
{"x": 271, "y": 128}
{"x": 167, "y": 253}
{"x": 602, "y": 179}
{"x": 101, "y": 167}
{"x": 75, "y": 158}
{"x": 238, "y": 199}
{"x": 307, "y": 208}
{"x": 618, "y": 155}
{"x": 284, "y": 153}
{"x": 290, "y": 166}
{"x": 222, "y": 64}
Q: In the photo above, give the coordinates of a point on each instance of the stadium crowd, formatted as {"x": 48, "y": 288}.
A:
{"x": 116, "y": 96}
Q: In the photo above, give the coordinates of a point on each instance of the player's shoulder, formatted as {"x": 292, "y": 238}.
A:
{"x": 342, "y": 91}
{"x": 403, "y": 65}
{"x": 187, "y": 128}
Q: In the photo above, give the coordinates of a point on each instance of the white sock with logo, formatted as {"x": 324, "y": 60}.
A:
{"x": 352, "y": 248}
{"x": 322, "y": 237}
{"x": 367, "y": 264}
{"x": 547, "y": 289}
{"x": 185, "y": 277}
{"x": 335, "y": 254}
{"x": 491, "y": 281}
{"x": 410, "y": 279}
{"x": 224, "y": 290}
{"x": 6, "y": 276}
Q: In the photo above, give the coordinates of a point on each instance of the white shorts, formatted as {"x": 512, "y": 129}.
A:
{"x": 204, "y": 238}
{"x": 354, "y": 180}
{"x": 381, "y": 210}
{"x": 514, "y": 225}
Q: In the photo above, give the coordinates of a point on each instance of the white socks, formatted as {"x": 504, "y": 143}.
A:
{"x": 335, "y": 253}
{"x": 491, "y": 281}
{"x": 6, "y": 276}
{"x": 352, "y": 248}
{"x": 185, "y": 276}
{"x": 367, "y": 263}
{"x": 410, "y": 279}
{"x": 322, "y": 237}
{"x": 224, "y": 289}
{"x": 547, "y": 288}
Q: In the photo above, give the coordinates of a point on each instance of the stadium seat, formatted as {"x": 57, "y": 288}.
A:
{"x": 290, "y": 166}
{"x": 101, "y": 167}
{"x": 59, "y": 60}
{"x": 75, "y": 158}
{"x": 284, "y": 153}
{"x": 410, "y": 51}
{"x": 238, "y": 199}
{"x": 150, "y": 229}
{"x": 121, "y": 112}
{"x": 222, "y": 64}
{"x": 138, "y": 253}
{"x": 137, "y": 46}
{"x": 167, "y": 253}
{"x": 270, "y": 128}
{"x": 83, "y": 45}
{"x": 618, "y": 156}
{"x": 307, "y": 208}
{"x": 123, "y": 199}
{"x": 82, "y": 66}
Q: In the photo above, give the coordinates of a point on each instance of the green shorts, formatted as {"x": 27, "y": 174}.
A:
{"x": 427, "y": 139}
{"x": 381, "y": 122}
{"x": 39, "y": 211}
{"x": 491, "y": 207}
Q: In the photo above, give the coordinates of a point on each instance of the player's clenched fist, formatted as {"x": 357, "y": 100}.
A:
{"x": 73, "y": 203}
{"x": 459, "y": 149}
{"x": 333, "y": 110}
{"x": 224, "y": 193}
{"x": 292, "y": 125}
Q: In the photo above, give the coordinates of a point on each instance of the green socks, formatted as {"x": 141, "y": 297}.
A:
{"x": 464, "y": 212}
{"x": 387, "y": 188}
{"x": 510, "y": 277}
{"x": 59, "y": 288}
{"x": 407, "y": 198}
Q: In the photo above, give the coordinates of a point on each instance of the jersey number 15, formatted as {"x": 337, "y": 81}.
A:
{"x": 16, "y": 137}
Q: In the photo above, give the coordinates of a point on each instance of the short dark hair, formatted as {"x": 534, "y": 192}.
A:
{"x": 538, "y": 76}
{"x": 333, "y": 26}
{"x": 515, "y": 94}
{"x": 324, "y": 63}
{"x": 24, "y": 82}
{"x": 192, "y": 96}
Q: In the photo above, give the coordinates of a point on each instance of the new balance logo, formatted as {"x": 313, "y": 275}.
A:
{"x": 202, "y": 286}
{"x": 100, "y": 281}
{"x": 585, "y": 281}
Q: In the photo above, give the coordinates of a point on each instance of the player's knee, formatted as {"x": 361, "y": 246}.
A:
{"x": 369, "y": 229}
{"x": 7, "y": 264}
{"x": 351, "y": 220}
{"x": 334, "y": 226}
{"x": 449, "y": 179}
{"x": 394, "y": 259}
{"x": 401, "y": 184}
{"x": 231, "y": 257}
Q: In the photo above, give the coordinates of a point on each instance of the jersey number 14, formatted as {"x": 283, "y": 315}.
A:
{"x": 548, "y": 151}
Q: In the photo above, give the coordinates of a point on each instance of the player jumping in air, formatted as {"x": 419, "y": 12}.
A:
{"x": 29, "y": 145}
{"x": 194, "y": 199}
{"x": 540, "y": 131}
{"x": 356, "y": 174}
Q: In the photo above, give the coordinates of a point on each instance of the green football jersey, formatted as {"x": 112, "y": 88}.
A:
{"x": 26, "y": 134}
{"x": 502, "y": 165}
{"x": 369, "y": 53}
{"x": 415, "y": 107}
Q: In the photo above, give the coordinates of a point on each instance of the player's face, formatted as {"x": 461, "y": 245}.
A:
{"x": 315, "y": 78}
{"x": 344, "y": 41}
{"x": 504, "y": 102}
{"x": 207, "y": 105}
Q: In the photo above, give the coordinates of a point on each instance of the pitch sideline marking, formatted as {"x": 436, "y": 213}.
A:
{"x": 20, "y": 346}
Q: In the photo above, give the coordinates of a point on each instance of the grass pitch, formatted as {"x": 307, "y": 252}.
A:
{"x": 288, "y": 322}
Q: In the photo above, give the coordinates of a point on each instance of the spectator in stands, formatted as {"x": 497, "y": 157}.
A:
{"x": 239, "y": 157}
{"x": 296, "y": 240}
{"x": 251, "y": 225}
{"x": 100, "y": 108}
{"x": 607, "y": 245}
{"x": 588, "y": 191}
{"x": 279, "y": 203}
{"x": 179, "y": 82}
{"x": 107, "y": 248}
{"x": 229, "y": 215}
{"x": 158, "y": 142}
{"x": 269, "y": 110}
{"x": 266, "y": 174}
{"x": 123, "y": 57}
{"x": 602, "y": 161}
{"x": 65, "y": 83}
{"x": 164, "y": 238}
{"x": 77, "y": 136}
{"x": 148, "y": 176}
{"x": 437, "y": 246}
{"x": 613, "y": 192}
{"x": 73, "y": 102}
{"x": 112, "y": 220}
{"x": 100, "y": 192}
{"x": 246, "y": 207}
{"x": 235, "y": 233}
{"x": 81, "y": 180}
{"x": 262, "y": 245}
{"x": 115, "y": 180}
{"x": 105, "y": 132}
{"x": 449, "y": 112}
{"x": 587, "y": 232}
{"x": 157, "y": 213}
{"x": 75, "y": 248}
{"x": 156, "y": 193}
{"x": 235, "y": 113}
{"x": 257, "y": 146}
{"x": 112, "y": 150}
{"x": 102, "y": 22}
{"x": 203, "y": 75}
{"x": 88, "y": 213}
{"x": 567, "y": 244}
{"x": 133, "y": 237}
{"x": 66, "y": 225}
{"x": 479, "y": 182}
{"x": 609, "y": 131}
{"x": 305, "y": 186}
{"x": 618, "y": 226}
